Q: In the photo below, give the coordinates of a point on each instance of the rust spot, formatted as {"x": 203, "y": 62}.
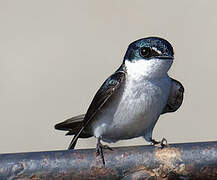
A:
{"x": 168, "y": 155}
{"x": 170, "y": 162}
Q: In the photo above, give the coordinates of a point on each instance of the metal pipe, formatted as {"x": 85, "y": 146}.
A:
{"x": 177, "y": 161}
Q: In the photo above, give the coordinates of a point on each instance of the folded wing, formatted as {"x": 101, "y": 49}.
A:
{"x": 77, "y": 125}
{"x": 176, "y": 97}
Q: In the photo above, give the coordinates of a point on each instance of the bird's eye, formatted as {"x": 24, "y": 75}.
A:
{"x": 145, "y": 52}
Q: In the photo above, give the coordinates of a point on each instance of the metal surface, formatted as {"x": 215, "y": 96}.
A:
{"x": 177, "y": 161}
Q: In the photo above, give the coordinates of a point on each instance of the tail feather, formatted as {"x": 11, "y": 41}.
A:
{"x": 75, "y": 127}
{"x": 71, "y": 124}
{"x": 75, "y": 138}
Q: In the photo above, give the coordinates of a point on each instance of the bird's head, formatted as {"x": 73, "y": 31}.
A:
{"x": 152, "y": 55}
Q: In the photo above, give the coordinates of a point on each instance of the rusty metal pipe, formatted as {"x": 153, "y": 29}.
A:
{"x": 177, "y": 161}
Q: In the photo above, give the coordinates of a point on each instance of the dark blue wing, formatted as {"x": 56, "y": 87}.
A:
{"x": 175, "y": 98}
{"x": 102, "y": 95}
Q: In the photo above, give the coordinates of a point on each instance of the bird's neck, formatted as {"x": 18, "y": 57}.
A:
{"x": 150, "y": 69}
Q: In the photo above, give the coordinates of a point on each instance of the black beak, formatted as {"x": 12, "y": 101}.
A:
{"x": 166, "y": 57}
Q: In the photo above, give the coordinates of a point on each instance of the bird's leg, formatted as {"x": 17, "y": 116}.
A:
{"x": 99, "y": 149}
{"x": 163, "y": 143}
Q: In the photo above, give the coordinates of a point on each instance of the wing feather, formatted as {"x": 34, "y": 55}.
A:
{"x": 176, "y": 97}
{"x": 103, "y": 94}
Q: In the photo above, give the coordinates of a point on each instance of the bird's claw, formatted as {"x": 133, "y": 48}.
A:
{"x": 99, "y": 150}
{"x": 163, "y": 143}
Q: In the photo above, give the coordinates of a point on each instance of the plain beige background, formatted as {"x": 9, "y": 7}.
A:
{"x": 54, "y": 55}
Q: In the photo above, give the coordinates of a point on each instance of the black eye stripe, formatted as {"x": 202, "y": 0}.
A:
{"x": 147, "y": 52}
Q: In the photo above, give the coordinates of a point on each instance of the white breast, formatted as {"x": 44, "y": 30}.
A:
{"x": 135, "y": 108}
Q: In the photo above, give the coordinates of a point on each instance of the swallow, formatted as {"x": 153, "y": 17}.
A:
{"x": 131, "y": 100}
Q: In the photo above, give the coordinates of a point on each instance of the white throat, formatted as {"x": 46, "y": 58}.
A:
{"x": 153, "y": 68}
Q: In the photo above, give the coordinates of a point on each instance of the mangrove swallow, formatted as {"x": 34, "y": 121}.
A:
{"x": 130, "y": 101}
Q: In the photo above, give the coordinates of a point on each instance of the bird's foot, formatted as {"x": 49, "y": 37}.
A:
{"x": 163, "y": 143}
{"x": 99, "y": 150}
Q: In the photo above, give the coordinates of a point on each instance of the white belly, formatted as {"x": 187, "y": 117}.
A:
{"x": 133, "y": 111}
